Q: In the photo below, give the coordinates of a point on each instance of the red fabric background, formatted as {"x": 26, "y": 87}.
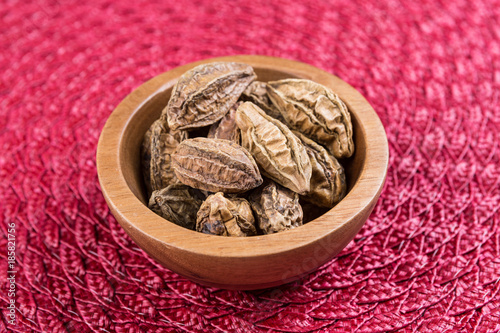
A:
{"x": 427, "y": 260}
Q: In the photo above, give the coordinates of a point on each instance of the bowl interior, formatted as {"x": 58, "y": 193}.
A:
{"x": 150, "y": 110}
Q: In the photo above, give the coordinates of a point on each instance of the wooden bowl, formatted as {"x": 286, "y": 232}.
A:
{"x": 238, "y": 263}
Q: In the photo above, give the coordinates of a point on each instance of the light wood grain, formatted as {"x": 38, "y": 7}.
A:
{"x": 238, "y": 263}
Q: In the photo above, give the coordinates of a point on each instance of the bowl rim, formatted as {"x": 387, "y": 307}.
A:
{"x": 136, "y": 218}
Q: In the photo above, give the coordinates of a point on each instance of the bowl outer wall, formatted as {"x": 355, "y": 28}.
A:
{"x": 253, "y": 262}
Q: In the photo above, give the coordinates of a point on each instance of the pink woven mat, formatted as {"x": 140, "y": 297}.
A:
{"x": 427, "y": 260}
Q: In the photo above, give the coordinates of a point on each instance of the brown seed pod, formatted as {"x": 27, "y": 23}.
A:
{"x": 225, "y": 217}
{"x": 256, "y": 93}
{"x": 177, "y": 203}
{"x": 226, "y": 128}
{"x": 204, "y": 94}
{"x": 328, "y": 185}
{"x": 315, "y": 111}
{"x": 215, "y": 165}
{"x": 280, "y": 154}
{"x": 276, "y": 208}
{"x": 163, "y": 143}
{"x": 153, "y": 205}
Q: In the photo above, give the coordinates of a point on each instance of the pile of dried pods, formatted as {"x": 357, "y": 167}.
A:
{"x": 268, "y": 146}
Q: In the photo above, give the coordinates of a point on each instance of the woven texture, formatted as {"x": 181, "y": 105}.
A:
{"x": 427, "y": 260}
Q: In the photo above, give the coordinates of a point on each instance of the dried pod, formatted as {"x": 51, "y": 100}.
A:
{"x": 226, "y": 128}
{"x": 276, "y": 208}
{"x": 225, "y": 217}
{"x": 205, "y": 94}
{"x": 163, "y": 144}
{"x": 256, "y": 93}
{"x": 315, "y": 111}
{"x": 177, "y": 203}
{"x": 153, "y": 205}
{"x": 215, "y": 165}
{"x": 279, "y": 153}
{"x": 328, "y": 185}
{"x": 146, "y": 160}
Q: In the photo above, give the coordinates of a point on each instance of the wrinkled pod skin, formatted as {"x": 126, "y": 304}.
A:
{"x": 225, "y": 217}
{"x": 215, "y": 165}
{"x": 156, "y": 160}
{"x": 328, "y": 184}
{"x": 276, "y": 208}
{"x": 315, "y": 111}
{"x": 226, "y": 128}
{"x": 256, "y": 93}
{"x": 204, "y": 94}
{"x": 279, "y": 153}
{"x": 177, "y": 203}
